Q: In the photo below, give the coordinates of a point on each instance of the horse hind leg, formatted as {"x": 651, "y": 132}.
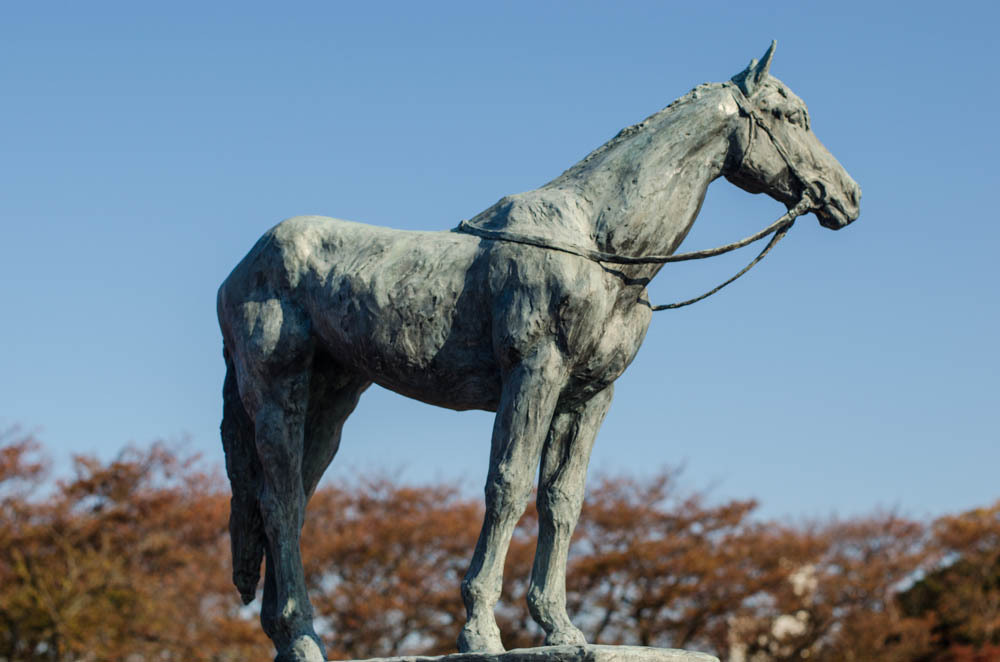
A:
{"x": 333, "y": 395}
{"x": 560, "y": 497}
{"x": 286, "y": 612}
{"x": 274, "y": 356}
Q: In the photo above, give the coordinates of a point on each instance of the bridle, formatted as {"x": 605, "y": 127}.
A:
{"x": 755, "y": 122}
{"x": 778, "y": 228}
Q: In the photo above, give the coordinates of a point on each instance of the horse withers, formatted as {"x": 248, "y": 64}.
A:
{"x": 321, "y": 308}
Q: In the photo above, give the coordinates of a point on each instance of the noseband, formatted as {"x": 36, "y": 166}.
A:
{"x": 778, "y": 228}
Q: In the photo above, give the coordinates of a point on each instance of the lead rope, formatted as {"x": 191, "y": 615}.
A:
{"x": 779, "y": 228}
{"x": 778, "y": 236}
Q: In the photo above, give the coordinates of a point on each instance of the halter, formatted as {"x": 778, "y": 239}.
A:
{"x": 779, "y": 227}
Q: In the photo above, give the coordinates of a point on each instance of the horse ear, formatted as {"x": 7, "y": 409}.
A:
{"x": 756, "y": 72}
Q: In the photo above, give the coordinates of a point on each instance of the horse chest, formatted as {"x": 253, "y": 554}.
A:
{"x": 584, "y": 309}
{"x": 615, "y": 340}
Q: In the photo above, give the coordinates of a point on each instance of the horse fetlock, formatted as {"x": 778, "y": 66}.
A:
{"x": 305, "y": 648}
{"x": 547, "y": 609}
{"x": 480, "y": 635}
{"x": 565, "y": 636}
{"x": 292, "y": 633}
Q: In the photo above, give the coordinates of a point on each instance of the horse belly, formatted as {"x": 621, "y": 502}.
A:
{"x": 410, "y": 311}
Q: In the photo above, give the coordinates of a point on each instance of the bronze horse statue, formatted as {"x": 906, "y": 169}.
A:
{"x": 320, "y": 309}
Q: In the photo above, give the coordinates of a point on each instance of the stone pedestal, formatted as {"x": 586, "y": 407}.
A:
{"x": 586, "y": 653}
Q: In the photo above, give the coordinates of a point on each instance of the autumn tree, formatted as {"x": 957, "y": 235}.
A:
{"x": 961, "y": 597}
{"x": 653, "y": 567}
{"x": 129, "y": 560}
{"x": 125, "y": 560}
{"x": 838, "y": 598}
{"x": 383, "y": 564}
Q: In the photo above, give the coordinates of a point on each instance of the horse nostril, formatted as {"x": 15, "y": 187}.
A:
{"x": 818, "y": 192}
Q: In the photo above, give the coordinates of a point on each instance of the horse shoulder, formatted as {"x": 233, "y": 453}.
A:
{"x": 545, "y": 296}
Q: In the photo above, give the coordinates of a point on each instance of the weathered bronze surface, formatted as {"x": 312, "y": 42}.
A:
{"x": 322, "y": 308}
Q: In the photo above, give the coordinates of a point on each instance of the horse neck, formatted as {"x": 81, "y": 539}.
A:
{"x": 646, "y": 186}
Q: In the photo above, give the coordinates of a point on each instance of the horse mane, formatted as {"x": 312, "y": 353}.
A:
{"x": 561, "y": 209}
{"x": 634, "y": 129}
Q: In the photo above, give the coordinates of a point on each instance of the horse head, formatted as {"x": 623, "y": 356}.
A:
{"x": 780, "y": 155}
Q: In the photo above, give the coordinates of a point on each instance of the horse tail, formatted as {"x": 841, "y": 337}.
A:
{"x": 246, "y": 527}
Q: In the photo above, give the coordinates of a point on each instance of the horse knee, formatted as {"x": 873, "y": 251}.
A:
{"x": 560, "y": 508}
{"x": 507, "y": 496}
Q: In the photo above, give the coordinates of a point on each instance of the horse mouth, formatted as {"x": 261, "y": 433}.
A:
{"x": 837, "y": 213}
{"x": 833, "y": 219}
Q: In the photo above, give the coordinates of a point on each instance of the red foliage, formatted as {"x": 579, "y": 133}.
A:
{"x": 129, "y": 559}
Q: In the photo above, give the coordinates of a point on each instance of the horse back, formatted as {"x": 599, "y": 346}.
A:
{"x": 409, "y": 310}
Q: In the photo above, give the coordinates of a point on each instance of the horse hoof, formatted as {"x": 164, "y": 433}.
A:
{"x": 474, "y": 640}
{"x": 303, "y": 649}
{"x": 570, "y": 636}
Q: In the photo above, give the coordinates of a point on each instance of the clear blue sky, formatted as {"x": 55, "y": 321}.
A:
{"x": 146, "y": 147}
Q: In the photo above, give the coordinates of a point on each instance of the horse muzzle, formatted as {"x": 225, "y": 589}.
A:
{"x": 840, "y": 210}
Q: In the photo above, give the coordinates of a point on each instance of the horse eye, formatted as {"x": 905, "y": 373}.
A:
{"x": 797, "y": 117}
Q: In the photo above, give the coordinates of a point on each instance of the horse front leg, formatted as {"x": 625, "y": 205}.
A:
{"x": 528, "y": 400}
{"x": 560, "y": 497}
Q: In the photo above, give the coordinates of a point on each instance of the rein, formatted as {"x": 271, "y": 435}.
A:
{"x": 779, "y": 228}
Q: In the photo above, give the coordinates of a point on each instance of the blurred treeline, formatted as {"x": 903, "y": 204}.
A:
{"x": 129, "y": 560}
